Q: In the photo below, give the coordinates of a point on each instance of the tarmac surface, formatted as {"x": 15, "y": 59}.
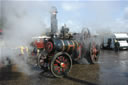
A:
{"x": 112, "y": 69}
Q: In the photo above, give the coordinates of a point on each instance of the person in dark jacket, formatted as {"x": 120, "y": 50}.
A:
{"x": 117, "y": 45}
{"x": 109, "y": 43}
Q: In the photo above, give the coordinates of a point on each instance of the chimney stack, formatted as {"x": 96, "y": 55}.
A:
{"x": 54, "y": 27}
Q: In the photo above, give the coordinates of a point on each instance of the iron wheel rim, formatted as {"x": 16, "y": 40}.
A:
{"x": 94, "y": 54}
{"x": 61, "y": 65}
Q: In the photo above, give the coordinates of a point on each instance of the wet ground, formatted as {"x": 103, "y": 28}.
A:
{"x": 112, "y": 69}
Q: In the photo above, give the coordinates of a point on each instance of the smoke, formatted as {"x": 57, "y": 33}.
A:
{"x": 21, "y": 21}
{"x": 87, "y": 40}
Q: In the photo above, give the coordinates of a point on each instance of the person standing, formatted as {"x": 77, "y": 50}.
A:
{"x": 117, "y": 45}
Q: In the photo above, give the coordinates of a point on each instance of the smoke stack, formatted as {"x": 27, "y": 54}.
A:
{"x": 54, "y": 27}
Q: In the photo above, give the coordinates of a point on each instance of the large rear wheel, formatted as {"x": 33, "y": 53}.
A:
{"x": 93, "y": 53}
{"x": 61, "y": 64}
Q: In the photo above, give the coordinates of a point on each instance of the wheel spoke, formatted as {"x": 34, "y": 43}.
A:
{"x": 55, "y": 64}
{"x": 57, "y": 61}
{"x": 95, "y": 58}
{"x": 94, "y": 53}
{"x": 59, "y": 69}
{"x": 65, "y": 60}
{"x": 56, "y": 68}
{"x": 59, "y": 58}
{"x": 92, "y": 57}
{"x": 62, "y": 69}
{"x": 61, "y": 65}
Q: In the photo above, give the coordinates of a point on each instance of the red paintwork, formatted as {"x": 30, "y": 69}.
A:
{"x": 62, "y": 65}
{"x": 1, "y": 30}
{"x": 79, "y": 50}
{"x": 39, "y": 44}
{"x": 49, "y": 47}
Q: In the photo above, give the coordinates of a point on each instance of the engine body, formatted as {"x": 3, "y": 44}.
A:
{"x": 62, "y": 45}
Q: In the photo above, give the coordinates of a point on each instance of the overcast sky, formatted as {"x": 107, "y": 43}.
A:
{"x": 97, "y": 15}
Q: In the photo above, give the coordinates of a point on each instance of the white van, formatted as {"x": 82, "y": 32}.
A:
{"x": 109, "y": 40}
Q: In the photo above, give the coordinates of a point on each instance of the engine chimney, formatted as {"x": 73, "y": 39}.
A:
{"x": 54, "y": 27}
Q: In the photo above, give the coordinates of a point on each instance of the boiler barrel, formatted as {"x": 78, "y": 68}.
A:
{"x": 63, "y": 45}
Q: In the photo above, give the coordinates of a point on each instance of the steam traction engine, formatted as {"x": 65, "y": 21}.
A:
{"x": 57, "y": 52}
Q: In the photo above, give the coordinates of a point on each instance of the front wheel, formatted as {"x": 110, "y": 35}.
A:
{"x": 61, "y": 64}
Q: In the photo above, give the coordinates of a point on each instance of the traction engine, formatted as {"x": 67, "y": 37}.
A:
{"x": 57, "y": 52}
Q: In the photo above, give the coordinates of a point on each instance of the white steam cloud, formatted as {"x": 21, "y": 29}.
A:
{"x": 22, "y": 20}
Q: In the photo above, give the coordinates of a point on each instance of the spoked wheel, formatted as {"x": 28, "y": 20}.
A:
{"x": 61, "y": 64}
{"x": 94, "y": 53}
{"x": 42, "y": 60}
